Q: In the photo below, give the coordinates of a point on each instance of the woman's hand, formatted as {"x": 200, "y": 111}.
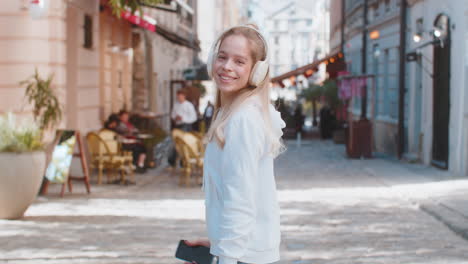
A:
{"x": 199, "y": 242}
{"x": 194, "y": 243}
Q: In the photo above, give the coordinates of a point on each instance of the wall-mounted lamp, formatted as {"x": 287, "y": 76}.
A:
{"x": 374, "y": 34}
{"x": 419, "y": 29}
{"x": 417, "y": 37}
{"x": 441, "y": 27}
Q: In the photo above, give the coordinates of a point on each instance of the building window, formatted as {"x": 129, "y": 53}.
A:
{"x": 387, "y": 5}
{"x": 276, "y": 40}
{"x": 88, "y": 32}
{"x": 376, "y": 10}
{"x": 309, "y": 22}
{"x": 276, "y": 24}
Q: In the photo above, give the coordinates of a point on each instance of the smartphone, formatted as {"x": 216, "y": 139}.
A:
{"x": 199, "y": 254}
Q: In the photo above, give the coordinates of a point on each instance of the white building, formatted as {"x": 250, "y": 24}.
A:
{"x": 298, "y": 34}
{"x": 438, "y": 84}
{"x": 435, "y": 125}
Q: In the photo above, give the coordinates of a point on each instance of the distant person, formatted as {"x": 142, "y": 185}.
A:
{"x": 183, "y": 114}
{"x": 298, "y": 119}
{"x": 112, "y": 123}
{"x": 326, "y": 121}
{"x": 208, "y": 115}
{"x": 183, "y": 117}
{"x": 129, "y": 131}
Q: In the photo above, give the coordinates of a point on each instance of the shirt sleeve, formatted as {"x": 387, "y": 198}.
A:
{"x": 242, "y": 151}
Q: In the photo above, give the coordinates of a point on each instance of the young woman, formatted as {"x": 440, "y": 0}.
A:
{"x": 242, "y": 212}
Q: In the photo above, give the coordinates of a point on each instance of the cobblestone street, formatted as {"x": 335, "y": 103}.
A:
{"x": 334, "y": 210}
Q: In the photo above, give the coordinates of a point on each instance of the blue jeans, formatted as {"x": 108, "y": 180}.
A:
{"x": 217, "y": 262}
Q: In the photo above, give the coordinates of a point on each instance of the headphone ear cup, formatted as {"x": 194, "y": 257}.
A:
{"x": 259, "y": 73}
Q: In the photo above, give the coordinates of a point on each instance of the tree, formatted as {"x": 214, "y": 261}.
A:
{"x": 312, "y": 94}
{"x": 330, "y": 91}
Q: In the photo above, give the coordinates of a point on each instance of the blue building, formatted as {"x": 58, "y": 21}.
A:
{"x": 418, "y": 104}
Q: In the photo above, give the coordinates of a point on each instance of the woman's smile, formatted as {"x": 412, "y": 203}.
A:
{"x": 226, "y": 78}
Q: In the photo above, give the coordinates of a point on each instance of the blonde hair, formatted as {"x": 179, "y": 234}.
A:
{"x": 262, "y": 90}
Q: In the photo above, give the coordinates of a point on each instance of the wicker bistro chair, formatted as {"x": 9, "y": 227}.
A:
{"x": 105, "y": 154}
{"x": 189, "y": 150}
{"x": 201, "y": 146}
{"x": 115, "y": 147}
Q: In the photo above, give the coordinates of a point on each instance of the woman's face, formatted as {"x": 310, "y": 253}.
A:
{"x": 124, "y": 117}
{"x": 232, "y": 66}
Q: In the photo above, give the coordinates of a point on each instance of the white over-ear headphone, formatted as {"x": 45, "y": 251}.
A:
{"x": 259, "y": 70}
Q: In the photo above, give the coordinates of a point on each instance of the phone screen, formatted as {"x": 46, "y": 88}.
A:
{"x": 199, "y": 254}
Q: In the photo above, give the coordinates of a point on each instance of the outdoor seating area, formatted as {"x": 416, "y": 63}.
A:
{"x": 112, "y": 155}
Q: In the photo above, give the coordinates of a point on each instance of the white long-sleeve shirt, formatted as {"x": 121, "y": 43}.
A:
{"x": 242, "y": 212}
{"x": 186, "y": 111}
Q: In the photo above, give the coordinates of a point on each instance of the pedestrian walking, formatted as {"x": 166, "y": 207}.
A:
{"x": 298, "y": 119}
{"x": 326, "y": 123}
{"x": 242, "y": 212}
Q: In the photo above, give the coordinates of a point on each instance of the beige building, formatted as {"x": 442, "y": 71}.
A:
{"x": 336, "y": 25}
{"x": 54, "y": 44}
{"x": 101, "y": 64}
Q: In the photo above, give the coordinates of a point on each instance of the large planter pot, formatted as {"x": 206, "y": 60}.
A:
{"x": 20, "y": 179}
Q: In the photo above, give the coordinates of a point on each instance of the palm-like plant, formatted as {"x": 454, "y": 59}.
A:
{"x": 46, "y": 106}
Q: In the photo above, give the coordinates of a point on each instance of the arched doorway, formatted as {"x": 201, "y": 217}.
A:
{"x": 441, "y": 92}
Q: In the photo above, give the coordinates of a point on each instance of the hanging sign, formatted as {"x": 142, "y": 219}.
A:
{"x": 144, "y": 21}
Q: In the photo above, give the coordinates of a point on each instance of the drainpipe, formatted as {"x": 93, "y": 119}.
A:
{"x": 401, "y": 79}
{"x": 343, "y": 19}
{"x": 364, "y": 61}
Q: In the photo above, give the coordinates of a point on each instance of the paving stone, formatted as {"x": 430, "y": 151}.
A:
{"x": 333, "y": 210}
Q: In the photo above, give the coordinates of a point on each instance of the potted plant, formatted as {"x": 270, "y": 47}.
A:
{"x": 22, "y": 155}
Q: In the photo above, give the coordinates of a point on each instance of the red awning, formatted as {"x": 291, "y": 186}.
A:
{"x": 144, "y": 21}
{"x": 308, "y": 69}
